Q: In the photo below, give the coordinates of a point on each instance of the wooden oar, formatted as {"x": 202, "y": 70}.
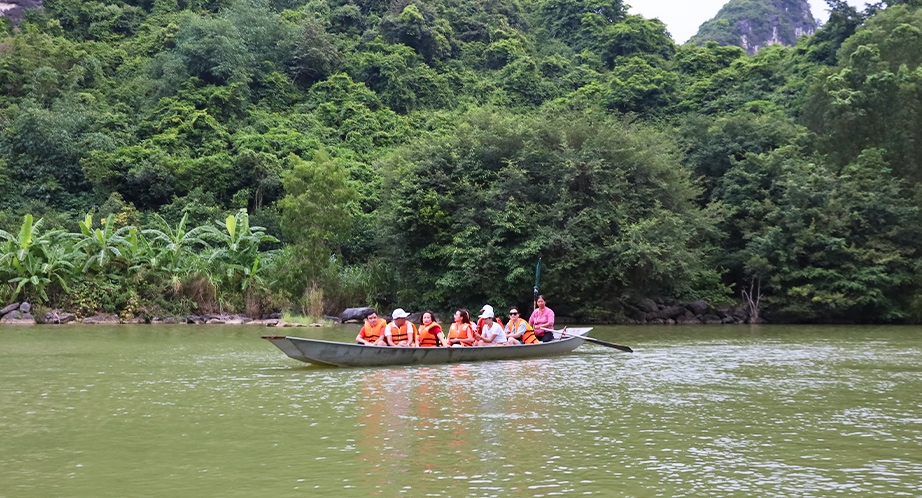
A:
{"x": 606, "y": 344}
{"x": 593, "y": 340}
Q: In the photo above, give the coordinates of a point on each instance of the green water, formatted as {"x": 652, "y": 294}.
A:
{"x": 706, "y": 411}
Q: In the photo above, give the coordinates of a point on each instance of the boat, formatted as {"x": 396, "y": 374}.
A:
{"x": 343, "y": 354}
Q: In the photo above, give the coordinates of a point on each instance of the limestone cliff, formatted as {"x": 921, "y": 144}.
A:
{"x": 752, "y": 24}
{"x": 15, "y": 8}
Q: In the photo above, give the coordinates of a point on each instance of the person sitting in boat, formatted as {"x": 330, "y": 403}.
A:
{"x": 486, "y": 309}
{"x": 491, "y": 333}
{"x": 400, "y": 332}
{"x": 372, "y": 333}
{"x": 430, "y": 332}
{"x": 518, "y": 331}
{"x": 542, "y": 319}
{"x": 461, "y": 332}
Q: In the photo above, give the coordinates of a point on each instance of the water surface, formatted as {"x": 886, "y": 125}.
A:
{"x": 699, "y": 411}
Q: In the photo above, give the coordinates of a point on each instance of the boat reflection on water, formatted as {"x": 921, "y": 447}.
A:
{"x": 428, "y": 427}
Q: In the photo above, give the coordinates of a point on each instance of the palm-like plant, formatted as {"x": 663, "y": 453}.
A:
{"x": 40, "y": 271}
{"x": 177, "y": 243}
{"x": 236, "y": 254}
{"x": 29, "y": 240}
{"x": 102, "y": 245}
{"x": 32, "y": 259}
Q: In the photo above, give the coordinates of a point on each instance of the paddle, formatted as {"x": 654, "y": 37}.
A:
{"x": 593, "y": 340}
{"x": 537, "y": 279}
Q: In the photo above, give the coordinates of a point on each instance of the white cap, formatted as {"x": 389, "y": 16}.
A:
{"x": 399, "y": 313}
{"x": 487, "y": 314}
{"x": 486, "y": 308}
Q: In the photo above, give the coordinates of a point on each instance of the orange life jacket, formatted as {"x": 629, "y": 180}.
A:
{"x": 372, "y": 333}
{"x": 406, "y": 333}
{"x": 528, "y": 337}
{"x": 460, "y": 332}
{"x": 429, "y": 335}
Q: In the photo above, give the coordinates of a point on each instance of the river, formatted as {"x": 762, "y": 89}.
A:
{"x": 115, "y": 411}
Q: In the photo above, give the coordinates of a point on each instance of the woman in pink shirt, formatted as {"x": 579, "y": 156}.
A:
{"x": 542, "y": 318}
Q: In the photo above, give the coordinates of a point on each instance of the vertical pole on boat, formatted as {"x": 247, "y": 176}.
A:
{"x": 537, "y": 279}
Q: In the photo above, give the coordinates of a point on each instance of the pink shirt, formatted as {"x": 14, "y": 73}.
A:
{"x": 542, "y": 318}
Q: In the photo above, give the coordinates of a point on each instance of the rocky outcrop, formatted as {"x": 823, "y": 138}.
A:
{"x": 17, "y": 317}
{"x": 17, "y": 314}
{"x": 668, "y": 312}
{"x": 101, "y": 320}
{"x": 58, "y": 317}
{"x": 753, "y": 24}
{"x": 16, "y": 8}
{"x": 357, "y": 314}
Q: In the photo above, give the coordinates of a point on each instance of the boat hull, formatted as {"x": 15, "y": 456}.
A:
{"x": 357, "y": 355}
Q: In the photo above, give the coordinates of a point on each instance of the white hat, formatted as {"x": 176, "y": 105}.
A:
{"x": 399, "y": 313}
{"x": 487, "y": 307}
{"x": 487, "y": 314}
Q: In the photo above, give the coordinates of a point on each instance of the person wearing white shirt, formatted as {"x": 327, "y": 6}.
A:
{"x": 492, "y": 334}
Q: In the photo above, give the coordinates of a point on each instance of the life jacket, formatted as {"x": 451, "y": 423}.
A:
{"x": 406, "y": 333}
{"x": 464, "y": 331}
{"x": 429, "y": 335}
{"x": 373, "y": 333}
{"x": 529, "y": 336}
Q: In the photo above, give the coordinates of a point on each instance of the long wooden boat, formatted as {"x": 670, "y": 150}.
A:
{"x": 343, "y": 354}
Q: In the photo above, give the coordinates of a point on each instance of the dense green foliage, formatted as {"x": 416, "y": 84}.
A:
{"x": 426, "y": 154}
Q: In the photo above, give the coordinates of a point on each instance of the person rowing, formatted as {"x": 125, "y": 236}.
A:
{"x": 518, "y": 331}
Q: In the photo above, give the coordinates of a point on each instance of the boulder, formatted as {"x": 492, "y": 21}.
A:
{"x": 25, "y": 307}
{"x": 215, "y": 321}
{"x": 688, "y": 318}
{"x": 58, "y": 317}
{"x": 355, "y": 314}
{"x": 101, "y": 320}
{"x": 194, "y": 319}
{"x": 269, "y": 322}
{"x": 728, "y": 320}
{"x": 12, "y": 307}
{"x": 275, "y": 316}
{"x": 671, "y": 312}
{"x": 17, "y": 318}
{"x": 711, "y": 319}
{"x": 170, "y": 320}
{"x": 699, "y": 307}
{"x": 136, "y": 320}
{"x": 647, "y": 305}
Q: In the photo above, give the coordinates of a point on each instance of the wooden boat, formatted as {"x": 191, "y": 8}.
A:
{"x": 358, "y": 355}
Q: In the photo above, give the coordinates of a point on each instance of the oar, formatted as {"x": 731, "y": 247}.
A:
{"x": 606, "y": 344}
{"x": 600, "y": 342}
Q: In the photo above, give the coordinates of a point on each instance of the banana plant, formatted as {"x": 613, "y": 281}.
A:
{"x": 103, "y": 245}
{"x": 40, "y": 271}
{"x": 178, "y": 243}
{"x": 236, "y": 253}
{"x": 28, "y": 241}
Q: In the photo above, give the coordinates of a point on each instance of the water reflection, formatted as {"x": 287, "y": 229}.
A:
{"x": 796, "y": 412}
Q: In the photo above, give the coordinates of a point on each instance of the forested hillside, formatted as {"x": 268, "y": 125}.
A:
{"x": 257, "y": 155}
